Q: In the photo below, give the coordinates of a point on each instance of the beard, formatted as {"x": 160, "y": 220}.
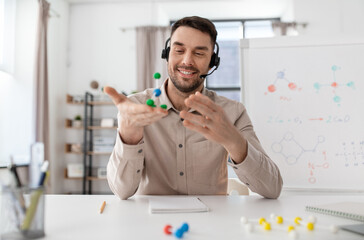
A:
{"x": 181, "y": 84}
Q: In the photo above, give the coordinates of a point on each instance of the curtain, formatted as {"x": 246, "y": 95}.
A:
{"x": 288, "y": 28}
{"x": 41, "y": 80}
{"x": 150, "y": 41}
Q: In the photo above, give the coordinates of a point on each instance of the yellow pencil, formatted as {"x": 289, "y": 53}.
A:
{"x": 102, "y": 207}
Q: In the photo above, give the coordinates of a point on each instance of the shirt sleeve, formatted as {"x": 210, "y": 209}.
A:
{"x": 257, "y": 171}
{"x": 125, "y": 167}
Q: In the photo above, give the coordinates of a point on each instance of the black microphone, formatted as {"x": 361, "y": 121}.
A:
{"x": 203, "y": 76}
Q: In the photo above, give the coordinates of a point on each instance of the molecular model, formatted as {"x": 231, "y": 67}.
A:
{"x": 156, "y": 93}
{"x": 179, "y": 232}
{"x": 278, "y": 222}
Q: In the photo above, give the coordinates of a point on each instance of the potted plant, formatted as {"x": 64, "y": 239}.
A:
{"x": 77, "y": 122}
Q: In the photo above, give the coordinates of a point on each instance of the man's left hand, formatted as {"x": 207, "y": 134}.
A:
{"x": 214, "y": 125}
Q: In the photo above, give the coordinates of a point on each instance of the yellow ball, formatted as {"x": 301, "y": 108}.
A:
{"x": 310, "y": 226}
{"x": 279, "y": 219}
{"x": 267, "y": 226}
{"x": 261, "y": 221}
{"x": 290, "y": 228}
{"x": 297, "y": 220}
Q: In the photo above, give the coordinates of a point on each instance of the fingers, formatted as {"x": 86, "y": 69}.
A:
{"x": 203, "y": 121}
{"x": 147, "y": 119}
{"x": 134, "y": 114}
{"x": 202, "y": 104}
{"x": 136, "y": 109}
{"x": 114, "y": 95}
{"x": 195, "y": 127}
{"x": 140, "y": 115}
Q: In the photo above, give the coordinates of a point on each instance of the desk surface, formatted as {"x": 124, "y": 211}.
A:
{"x": 77, "y": 217}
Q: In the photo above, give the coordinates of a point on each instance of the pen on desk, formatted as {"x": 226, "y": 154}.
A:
{"x": 102, "y": 207}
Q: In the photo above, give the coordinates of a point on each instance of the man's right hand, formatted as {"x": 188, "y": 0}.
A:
{"x": 133, "y": 117}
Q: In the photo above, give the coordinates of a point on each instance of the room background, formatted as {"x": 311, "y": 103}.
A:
{"x": 86, "y": 42}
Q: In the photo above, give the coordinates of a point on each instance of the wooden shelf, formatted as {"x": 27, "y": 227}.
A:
{"x": 69, "y": 100}
{"x": 98, "y": 153}
{"x": 67, "y": 149}
{"x": 68, "y": 124}
{"x": 91, "y": 178}
{"x": 91, "y": 175}
{"x": 100, "y": 103}
{"x": 75, "y": 127}
{"x": 71, "y": 178}
{"x": 100, "y": 128}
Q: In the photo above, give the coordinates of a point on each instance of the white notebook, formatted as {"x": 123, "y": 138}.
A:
{"x": 167, "y": 204}
{"x": 351, "y": 210}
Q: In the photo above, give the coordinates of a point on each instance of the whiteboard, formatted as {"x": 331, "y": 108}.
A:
{"x": 305, "y": 97}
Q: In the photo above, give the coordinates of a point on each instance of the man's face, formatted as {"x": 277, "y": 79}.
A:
{"x": 189, "y": 58}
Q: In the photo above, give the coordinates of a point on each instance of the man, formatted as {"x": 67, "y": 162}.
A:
{"x": 184, "y": 149}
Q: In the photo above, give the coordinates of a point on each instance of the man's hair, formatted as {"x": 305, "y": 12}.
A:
{"x": 199, "y": 23}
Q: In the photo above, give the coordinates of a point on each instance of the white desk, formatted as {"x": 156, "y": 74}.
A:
{"x": 77, "y": 217}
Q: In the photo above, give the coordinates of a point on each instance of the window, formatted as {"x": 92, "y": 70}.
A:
{"x": 7, "y": 25}
{"x": 226, "y": 81}
{"x": 258, "y": 29}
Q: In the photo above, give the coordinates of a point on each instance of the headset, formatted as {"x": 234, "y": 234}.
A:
{"x": 214, "y": 62}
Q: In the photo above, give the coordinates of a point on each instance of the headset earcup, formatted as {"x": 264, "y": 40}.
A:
{"x": 217, "y": 61}
{"x": 212, "y": 61}
{"x": 165, "y": 53}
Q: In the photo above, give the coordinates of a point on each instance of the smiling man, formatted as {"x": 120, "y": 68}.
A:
{"x": 185, "y": 149}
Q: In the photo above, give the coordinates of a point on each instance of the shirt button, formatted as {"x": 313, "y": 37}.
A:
{"x": 140, "y": 151}
{"x": 180, "y": 146}
{"x": 235, "y": 167}
{"x": 181, "y": 173}
{"x": 138, "y": 171}
{"x": 247, "y": 184}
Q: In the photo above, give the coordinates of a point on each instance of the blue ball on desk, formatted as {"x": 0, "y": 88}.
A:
{"x": 185, "y": 227}
{"x": 179, "y": 233}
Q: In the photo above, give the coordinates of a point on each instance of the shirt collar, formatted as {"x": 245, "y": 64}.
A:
{"x": 165, "y": 100}
{"x": 164, "y": 97}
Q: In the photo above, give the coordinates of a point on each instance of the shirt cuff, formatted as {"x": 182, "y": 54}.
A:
{"x": 134, "y": 154}
{"x": 249, "y": 166}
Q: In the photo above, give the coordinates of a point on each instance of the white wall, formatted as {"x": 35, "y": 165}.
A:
{"x": 100, "y": 51}
{"x": 331, "y": 17}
